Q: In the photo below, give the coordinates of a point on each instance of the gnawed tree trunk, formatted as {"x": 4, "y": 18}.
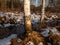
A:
{"x": 27, "y": 16}
{"x": 43, "y": 14}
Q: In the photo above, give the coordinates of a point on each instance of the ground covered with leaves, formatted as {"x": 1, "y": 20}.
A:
{"x": 13, "y": 33}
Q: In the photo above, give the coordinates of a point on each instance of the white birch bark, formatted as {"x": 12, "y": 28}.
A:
{"x": 27, "y": 15}
{"x": 43, "y": 13}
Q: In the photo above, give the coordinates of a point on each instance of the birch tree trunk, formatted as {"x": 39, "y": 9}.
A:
{"x": 0, "y": 3}
{"x": 28, "y": 26}
{"x": 43, "y": 13}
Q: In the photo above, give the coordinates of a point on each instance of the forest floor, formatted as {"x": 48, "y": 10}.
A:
{"x": 13, "y": 32}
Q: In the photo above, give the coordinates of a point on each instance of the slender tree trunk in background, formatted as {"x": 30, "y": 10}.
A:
{"x": 43, "y": 14}
{"x": 0, "y": 4}
{"x": 51, "y": 3}
{"x": 12, "y": 4}
{"x": 3, "y": 4}
{"x": 27, "y": 16}
{"x": 18, "y": 2}
{"x": 57, "y": 3}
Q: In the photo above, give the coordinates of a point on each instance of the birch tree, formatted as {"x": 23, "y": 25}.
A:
{"x": 43, "y": 13}
{"x": 27, "y": 16}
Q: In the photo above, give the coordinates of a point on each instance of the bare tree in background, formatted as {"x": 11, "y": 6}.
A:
{"x": 0, "y": 3}
{"x": 12, "y": 7}
{"x": 57, "y": 3}
{"x": 3, "y": 4}
{"x": 43, "y": 13}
